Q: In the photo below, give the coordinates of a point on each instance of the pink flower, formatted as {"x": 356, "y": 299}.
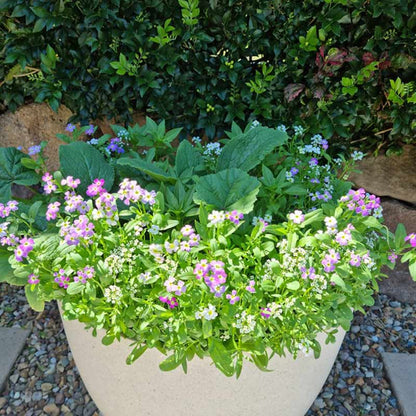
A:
{"x": 187, "y": 230}
{"x": 33, "y": 279}
{"x": 265, "y": 313}
{"x": 250, "y": 288}
{"x": 392, "y": 257}
{"x": 233, "y": 297}
{"x": 411, "y": 238}
{"x": 343, "y": 238}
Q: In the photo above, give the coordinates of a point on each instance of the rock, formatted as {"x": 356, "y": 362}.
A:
{"x": 392, "y": 176}
{"x": 3, "y": 401}
{"x": 59, "y": 398}
{"x": 32, "y": 124}
{"x": 14, "y": 378}
{"x": 399, "y": 285}
{"x": 46, "y": 387}
{"x": 51, "y": 409}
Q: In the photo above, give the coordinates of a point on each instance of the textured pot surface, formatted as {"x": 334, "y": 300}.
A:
{"x": 142, "y": 389}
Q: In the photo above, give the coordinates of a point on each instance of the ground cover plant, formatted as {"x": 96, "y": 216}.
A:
{"x": 346, "y": 69}
{"x": 234, "y": 250}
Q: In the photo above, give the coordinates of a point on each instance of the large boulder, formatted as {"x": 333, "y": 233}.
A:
{"x": 393, "y": 176}
{"x": 399, "y": 285}
{"x": 32, "y": 124}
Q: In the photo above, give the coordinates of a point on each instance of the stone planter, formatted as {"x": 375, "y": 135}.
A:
{"x": 142, "y": 389}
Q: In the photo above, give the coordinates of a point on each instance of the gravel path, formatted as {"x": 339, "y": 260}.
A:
{"x": 45, "y": 380}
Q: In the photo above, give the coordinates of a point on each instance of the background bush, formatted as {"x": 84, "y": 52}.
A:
{"x": 341, "y": 67}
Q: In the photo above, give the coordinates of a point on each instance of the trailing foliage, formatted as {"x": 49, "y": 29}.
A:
{"x": 344, "y": 68}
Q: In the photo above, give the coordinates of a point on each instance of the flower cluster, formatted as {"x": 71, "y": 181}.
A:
{"x": 214, "y": 275}
{"x": 24, "y": 248}
{"x": 6, "y": 210}
{"x": 209, "y": 313}
{"x": 218, "y": 217}
{"x": 115, "y": 146}
{"x": 130, "y": 191}
{"x": 50, "y": 184}
{"x": 363, "y": 203}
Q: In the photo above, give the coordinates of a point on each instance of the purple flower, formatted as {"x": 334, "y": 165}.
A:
{"x": 70, "y": 127}
{"x": 61, "y": 278}
{"x": 313, "y": 162}
{"x": 34, "y": 150}
{"x": 411, "y": 238}
{"x": 90, "y": 130}
{"x": 70, "y": 182}
{"x": 343, "y": 238}
{"x": 233, "y": 297}
{"x": 52, "y": 211}
{"x": 355, "y": 260}
{"x": 328, "y": 265}
{"x": 294, "y": 171}
{"x": 392, "y": 257}
{"x": 250, "y": 288}
{"x": 324, "y": 144}
{"x": 266, "y": 313}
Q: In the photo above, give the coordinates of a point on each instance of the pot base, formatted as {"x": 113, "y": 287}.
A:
{"x": 142, "y": 389}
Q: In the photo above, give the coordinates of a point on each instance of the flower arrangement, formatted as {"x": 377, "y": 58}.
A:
{"x": 256, "y": 267}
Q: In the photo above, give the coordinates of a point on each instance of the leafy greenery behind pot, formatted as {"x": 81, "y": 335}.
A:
{"x": 344, "y": 68}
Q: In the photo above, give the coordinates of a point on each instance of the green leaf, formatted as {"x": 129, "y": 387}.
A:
{"x": 295, "y": 285}
{"x": 74, "y": 288}
{"x": 228, "y": 189}
{"x": 12, "y": 171}
{"x": 248, "y": 149}
{"x": 107, "y": 339}
{"x": 135, "y": 354}
{"x": 6, "y": 271}
{"x": 148, "y": 168}
{"x": 338, "y": 281}
{"x": 32, "y": 296}
{"x": 221, "y": 356}
{"x": 82, "y": 161}
{"x": 170, "y": 363}
{"x": 206, "y": 328}
{"x": 412, "y": 270}
{"x": 188, "y": 159}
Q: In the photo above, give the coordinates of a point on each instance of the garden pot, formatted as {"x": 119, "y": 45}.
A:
{"x": 142, "y": 389}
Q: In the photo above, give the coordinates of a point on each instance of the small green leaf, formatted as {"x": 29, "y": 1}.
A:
{"x": 295, "y": 285}
{"x": 32, "y": 296}
{"x": 170, "y": 363}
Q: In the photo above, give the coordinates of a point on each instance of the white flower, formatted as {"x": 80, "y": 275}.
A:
{"x": 154, "y": 229}
{"x": 210, "y": 313}
{"x": 216, "y": 217}
{"x": 357, "y": 155}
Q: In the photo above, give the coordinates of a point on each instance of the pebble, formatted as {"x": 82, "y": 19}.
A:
{"x": 51, "y": 409}
{"x": 356, "y": 385}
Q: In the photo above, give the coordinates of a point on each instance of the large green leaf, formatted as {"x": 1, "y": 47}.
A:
{"x": 188, "y": 159}
{"x": 82, "y": 161}
{"x": 228, "y": 189}
{"x": 221, "y": 356}
{"x": 32, "y": 295}
{"x": 148, "y": 168}
{"x": 12, "y": 171}
{"x": 248, "y": 149}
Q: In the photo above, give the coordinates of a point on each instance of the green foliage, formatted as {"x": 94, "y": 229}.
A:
{"x": 249, "y": 149}
{"x": 202, "y": 64}
{"x": 81, "y": 160}
{"x": 12, "y": 171}
{"x": 227, "y": 190}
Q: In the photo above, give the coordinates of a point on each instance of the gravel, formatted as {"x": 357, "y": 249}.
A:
{"x": 45, "y": 380}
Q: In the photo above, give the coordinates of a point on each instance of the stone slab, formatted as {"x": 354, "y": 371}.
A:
{"x": 12, "y": 340}
{"x": 399, "y": 285}
{"x": 30, "y": 125}
{"x": 392, "y": 176}
{"x": 401, "y": 370}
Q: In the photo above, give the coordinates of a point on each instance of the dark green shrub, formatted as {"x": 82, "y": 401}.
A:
{"x": 343, "y": 68}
